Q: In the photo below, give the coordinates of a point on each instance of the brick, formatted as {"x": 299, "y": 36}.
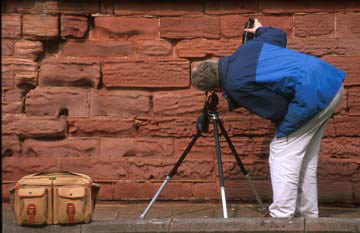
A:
{"x": 101, "y": 126}
{"x": 40, "y": 26}
{"x": 356, "y": 188}
{"x": 130, "y": 190}
{"x": 316, "y": 47}
{"x": 14, "y": 168}
{"x": 233, "y": 25}
{"x": 73, "y": 26}
{"x": 159, "y": 8}
{"x": 254, "y": 126}
{"x": 198, "y": 48}
{"x": 177, "y": 103}
{"x": 165, "y": 127}
{"x": 156, "y": 169}
{"x": 106, "y": 103}
{"x": 79, "y": 7}
{"x": 206, "y": 191}
{"x": 12, "y": 107}
{"x": 240, "y": 190}
{"x": 7, "y": 47}
{"x": 273, "y": 7}
{"x": 153, "y": 73}
{"x": 261, "y": 147}
{"x": 353, "y": 97}
{"x": 335, "y": 192}
{"x": 34, "y": 127}
{"x": 139, "y": 147}
{"x": 176, "y": 191}
{"x": 51, "y": 101}
{"x": 156, "y": 48}
{"x": 99, "y": 169}
{"x": 190, "y": 27}
{"x": 106, "y": 192}
{"x": 347, "y": 25}
{"x": 73, "y": 147}
{"x": 205, "y": 147}
{"x": 26, "y": 6}
{"x": 333, "y": 170}
{"x": 340, "y": 147}
{"x": 349, "y": 64}
{"x": 231, "y": 7}
{"x": 12, "y": 95}
{"x": 69, "y": 72}
{"x": 98, "y": 48}
{"x": 258, "y": 170}
{"x": 126, "y": 27}
{"x": 28, "y": 49}
{"x": 5, "y": 188}
{"x": 10, "y": 146}
{"x": 107, "y": 7}
{"x": 345, "y": 126}
{"x": 315, "y": 25}
{"x": 10, "y": 26}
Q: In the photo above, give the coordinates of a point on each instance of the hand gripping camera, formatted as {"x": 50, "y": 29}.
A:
{"x": 248, "y": 35}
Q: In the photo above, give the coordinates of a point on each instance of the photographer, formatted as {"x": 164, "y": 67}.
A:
{"x": 297, "y": 92}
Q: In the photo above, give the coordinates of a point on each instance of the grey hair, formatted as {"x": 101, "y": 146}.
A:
{"x": 206, "y": 76}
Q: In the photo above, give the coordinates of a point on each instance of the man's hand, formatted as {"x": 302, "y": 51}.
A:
{"x": 257, "y": 25}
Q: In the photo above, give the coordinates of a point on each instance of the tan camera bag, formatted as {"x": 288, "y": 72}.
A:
{"x": 58, "y": 197}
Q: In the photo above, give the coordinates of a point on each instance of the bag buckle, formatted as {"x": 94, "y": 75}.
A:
{"x": 70, "y": 211}
{"x": 31, "y": 212}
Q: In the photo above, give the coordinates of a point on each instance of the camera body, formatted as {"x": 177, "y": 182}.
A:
{"x": 247, "y": 35}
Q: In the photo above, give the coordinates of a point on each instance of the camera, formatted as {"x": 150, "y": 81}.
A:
{"x": 248, "y": 35}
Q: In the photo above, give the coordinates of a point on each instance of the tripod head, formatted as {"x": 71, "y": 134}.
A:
{"x": 210, "y": 106}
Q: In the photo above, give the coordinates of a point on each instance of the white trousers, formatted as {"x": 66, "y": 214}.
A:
{"x": 293, "y": 165}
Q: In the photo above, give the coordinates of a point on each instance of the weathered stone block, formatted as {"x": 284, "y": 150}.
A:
{"x": 231, "y": 7}
{"x": 204, "y": 48}
{"x": 340, "y": 147}
{"x": 139, "y": 147}
{"x": 10, "y": 26}
{"x": 73, "y": 147}
{"x": 158, "y": 8}
{"x": 124, "y": 72}
{"x": 10, "y": 146}
{"x": 99, "y": 169}
{"x": 101, "y": 126}
{"x": 353, "y": 97}
{"x": 69, "y": 72}
{"x": 156, "y": 48}
{"x": 51, "y": 101}
{"x": 348, "y": 25}
{"x": 126, "y": 27}
{"x": 349, "y": 64}
{"x": 40, "y": 26}
{"x": 7, "y": 47}
{"x": 28, "y": 49}
{"x": 98, "y": 49}
{"x": 119, "y": 103}
{"x": 178, "y": 102}
{"x": 19, "y": 71}
{"x": 73, "y": 26}
{"x": 33, "y": 127}
{"x": 315, "y": 25}
{"x": 79, "y": 7}
{"x": 190, "y": 27}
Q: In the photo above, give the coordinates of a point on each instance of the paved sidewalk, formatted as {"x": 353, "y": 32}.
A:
{"x": 194, "y": 217}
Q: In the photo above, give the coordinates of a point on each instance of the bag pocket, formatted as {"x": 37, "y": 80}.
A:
{"x": 69, "y": 205}
{"x": 32, "y": 206}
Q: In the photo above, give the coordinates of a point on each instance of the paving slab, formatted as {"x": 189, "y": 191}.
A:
{"x": 332, "y": 225}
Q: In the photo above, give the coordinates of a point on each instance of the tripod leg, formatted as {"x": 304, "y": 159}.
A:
{"x": 171, "y": 173}
{"x": 218, "y": 157}
{"x": 243, "y": 170}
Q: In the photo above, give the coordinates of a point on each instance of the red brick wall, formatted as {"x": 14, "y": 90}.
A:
{"x": 102, "y": 88}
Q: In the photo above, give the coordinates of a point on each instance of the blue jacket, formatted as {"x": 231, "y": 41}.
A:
{"x": 276, "y": 83}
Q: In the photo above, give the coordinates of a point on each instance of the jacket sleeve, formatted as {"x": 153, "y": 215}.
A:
{"x": 271, "y": 35}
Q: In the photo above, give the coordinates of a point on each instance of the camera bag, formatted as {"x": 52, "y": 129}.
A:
{"x": 59, "y": 197}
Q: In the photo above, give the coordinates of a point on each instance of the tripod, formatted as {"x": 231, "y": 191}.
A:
{"x": 209, "y": 112}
